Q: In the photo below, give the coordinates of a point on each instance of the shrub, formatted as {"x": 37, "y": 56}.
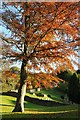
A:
{"x": 40, "y": 94}
{"x": 74, "y": 89}
{"x": 63, "y": 87}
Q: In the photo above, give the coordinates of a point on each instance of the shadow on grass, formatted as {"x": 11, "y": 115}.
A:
{"x": 29, "y": 116}
{"x": 35, "y": 107}
{"x": 6, "y": 105}
{"x": 36, "y": 100}
{"x": 39, "y": 119}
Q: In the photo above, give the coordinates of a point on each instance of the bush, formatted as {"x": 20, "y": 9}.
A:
{"x": 40, "y": 94}
{"x": 49, "y": 96}
{"x": 62, "y": 97}
{"x": 74, "y": 89}
{"x": 65, "y": 75}
{"x": 63, "y": 87}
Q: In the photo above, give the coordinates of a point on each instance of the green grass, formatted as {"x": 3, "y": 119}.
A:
{"x": 41, "y": 115}
{"x": 8, "y": 104}
{"x": 55, "y": 95}
{"x": 36, "y": 111}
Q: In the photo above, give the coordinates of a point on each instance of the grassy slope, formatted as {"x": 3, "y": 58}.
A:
{"x": 36, "y": 111}
{"x": 8, "y": 104}
{"x": 55, "y": 95}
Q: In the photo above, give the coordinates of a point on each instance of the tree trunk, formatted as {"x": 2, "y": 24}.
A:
{"x": 19, "y": 107}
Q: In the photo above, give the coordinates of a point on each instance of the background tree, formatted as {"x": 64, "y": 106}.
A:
{"x": 78, "y": 71}
{"x": 15, "y": 69}
{"x": 41, "y": 35}
{"x": 4, "y": 66}
{"x": 65, "y": 76}
{"x": 74, "y": 89}
{"x": 10, "y": 79}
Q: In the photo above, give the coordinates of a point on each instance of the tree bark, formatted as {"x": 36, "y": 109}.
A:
{"x": 19, "y": 107}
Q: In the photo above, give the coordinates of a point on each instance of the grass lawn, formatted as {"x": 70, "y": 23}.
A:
{"x": 55, "y": 95}
{"x": 34, "y": 111}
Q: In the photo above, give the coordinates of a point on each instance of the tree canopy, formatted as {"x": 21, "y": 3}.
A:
{"x": 49, "y": 30}
{"x": 43, "y": 35}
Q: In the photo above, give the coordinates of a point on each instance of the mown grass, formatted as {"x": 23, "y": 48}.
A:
{"x": 8, "y": 104}
{"x": 69, "y": 114}
{"x": 55, "y": 95}
{"x": 36, "y": 111}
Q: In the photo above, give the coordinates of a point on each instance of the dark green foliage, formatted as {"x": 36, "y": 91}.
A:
{"x": 71, "y": 86}
{"x": 63, "y": 86}
{"x": 49, "y": 96}
{"x": 78, "y": 71}
{"x": 40, "y": 94}
{"x": 65, "y": 75}
{"x": 62, "y": 97}
{"x": 74, "y": 89}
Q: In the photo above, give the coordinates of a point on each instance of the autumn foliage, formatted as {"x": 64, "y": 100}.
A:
{"x": 45, "y": 34}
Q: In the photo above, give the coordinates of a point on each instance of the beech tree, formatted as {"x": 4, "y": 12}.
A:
{"x": 41, "y": 35}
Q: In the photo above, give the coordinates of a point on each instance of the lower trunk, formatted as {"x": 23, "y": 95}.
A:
{"x": 19, "y": 107}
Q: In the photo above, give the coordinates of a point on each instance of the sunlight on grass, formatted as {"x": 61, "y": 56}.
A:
{"x": 55, "y": 94}
{"x": 36, "y": 111}
{"x": 41, "y": 98}
{"x": 8, "y": 104}
{"x": 31, "y": 114}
